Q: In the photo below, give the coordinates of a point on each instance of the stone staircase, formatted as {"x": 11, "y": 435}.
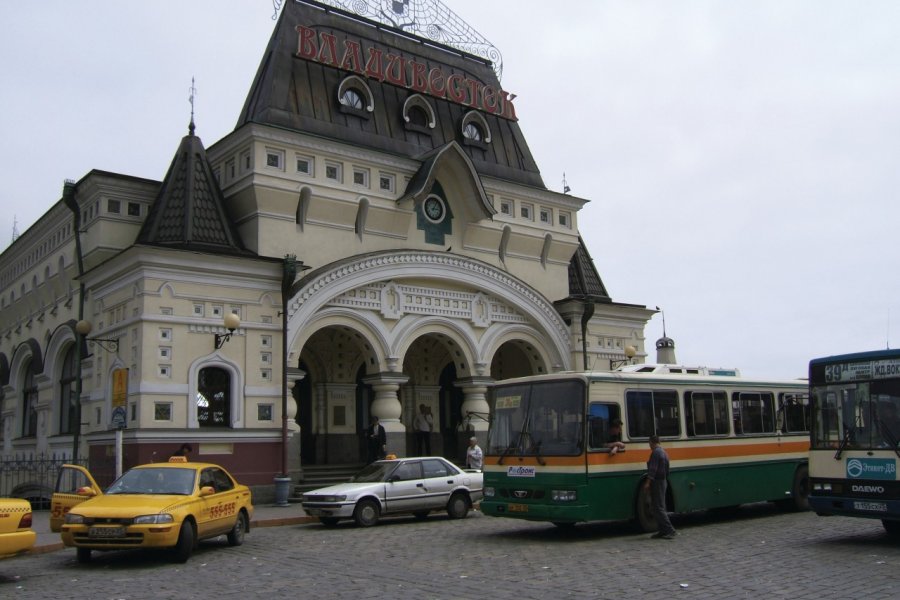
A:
{"x": 318, "y": 476}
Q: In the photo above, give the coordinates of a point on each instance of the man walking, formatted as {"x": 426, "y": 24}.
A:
{"x": 657, "y": 474}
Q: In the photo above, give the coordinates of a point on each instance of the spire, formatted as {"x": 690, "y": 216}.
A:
{"x": 191, "y": 100}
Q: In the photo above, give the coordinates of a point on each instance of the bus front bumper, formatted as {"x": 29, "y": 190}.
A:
{"x": 557, "y": 513}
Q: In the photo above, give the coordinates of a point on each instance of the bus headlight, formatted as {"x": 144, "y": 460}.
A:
{"x": 563, "y": 495}
{"x": 489, "y": 492}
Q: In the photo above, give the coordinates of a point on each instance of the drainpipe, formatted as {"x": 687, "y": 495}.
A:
{"x": 69, "y": 198}
{"x": 585, "y": 317}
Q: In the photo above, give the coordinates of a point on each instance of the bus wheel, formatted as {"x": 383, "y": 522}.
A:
{"x": 799, "y": 499}
{"x": 892, "y": 527}
{"x": 643, "y": 514}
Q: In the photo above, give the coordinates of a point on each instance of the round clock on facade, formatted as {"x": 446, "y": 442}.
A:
{"x": 434, "y": 209}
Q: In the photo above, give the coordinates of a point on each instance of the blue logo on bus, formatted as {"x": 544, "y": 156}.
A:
{"x": 871, "y": 468}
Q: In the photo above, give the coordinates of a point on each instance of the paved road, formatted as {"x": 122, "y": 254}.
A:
{"x": 758, "y": 553}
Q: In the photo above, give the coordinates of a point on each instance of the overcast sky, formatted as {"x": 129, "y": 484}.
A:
{"x": 740, "y": 157}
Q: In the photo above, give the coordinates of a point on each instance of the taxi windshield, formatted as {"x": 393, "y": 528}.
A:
{"x": 377, "y": 471}
{"x": 154, "y": 481}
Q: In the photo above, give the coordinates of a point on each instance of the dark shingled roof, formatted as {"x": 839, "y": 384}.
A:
{"x": 584, "y": 280}
{"x": 300, "y": 94}
{"x": 189, "y": 210}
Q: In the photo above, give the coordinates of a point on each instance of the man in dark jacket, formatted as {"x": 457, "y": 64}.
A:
{"x": 657, "y": 480}
{"x": 377, "y": 440}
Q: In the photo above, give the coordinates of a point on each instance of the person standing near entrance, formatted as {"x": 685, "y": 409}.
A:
{"x": 657, "y": 481}
{"x": 474, "y": 455}
{"x": 377, "y": 440}
{"x": 423, "y": 426}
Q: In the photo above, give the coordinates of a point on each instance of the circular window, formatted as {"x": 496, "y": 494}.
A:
{"x": 434, "y": 209}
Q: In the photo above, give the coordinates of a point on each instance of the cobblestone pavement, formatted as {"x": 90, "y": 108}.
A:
{"x": 758, "y": 552}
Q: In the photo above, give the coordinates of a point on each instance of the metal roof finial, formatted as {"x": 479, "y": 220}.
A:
{"x": 191, "y": 100}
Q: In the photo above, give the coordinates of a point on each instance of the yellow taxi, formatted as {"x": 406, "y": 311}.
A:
{"x": 161, "y": 505}
{"x": 16, "y": 535}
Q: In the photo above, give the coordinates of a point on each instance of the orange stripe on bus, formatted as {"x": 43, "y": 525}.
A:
{"x": 692, "y": 452}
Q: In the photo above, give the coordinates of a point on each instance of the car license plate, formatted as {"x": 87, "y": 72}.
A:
{"x": 873, "y": 506}
{"x": 518, "y": 508}
{"x": 106, "y": 532}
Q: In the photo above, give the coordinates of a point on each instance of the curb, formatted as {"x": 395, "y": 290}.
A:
{"x": 53, "y": 547}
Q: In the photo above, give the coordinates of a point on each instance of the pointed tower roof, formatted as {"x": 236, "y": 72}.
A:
{"x": 189, "y": 210}
{"x": 584, "y": 280}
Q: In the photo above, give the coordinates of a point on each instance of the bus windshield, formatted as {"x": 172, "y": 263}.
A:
{"x": 857, "y": 416}
{"x": 538, "y": 419}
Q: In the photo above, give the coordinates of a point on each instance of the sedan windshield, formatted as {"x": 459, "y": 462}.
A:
{"x": 154, "y": 481}
{"x": 377, "y": 471}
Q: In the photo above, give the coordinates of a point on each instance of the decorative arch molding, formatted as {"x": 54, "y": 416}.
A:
{"x": 60, "y": 339}
{"x": 373, "y": 330}
{"x": 315, "y": 290}
{"x": 501, "y": 333}
{"x": 29, "y": 349}
{"x": 418, "y": 100}
{"x": 475, "y": 117}
{"x": 412, "y": 328}
{"x": 216, "y": 359}
{"x": 357, "y": 83}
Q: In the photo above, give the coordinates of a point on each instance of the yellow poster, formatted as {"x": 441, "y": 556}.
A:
{"x": 120, "y": 387}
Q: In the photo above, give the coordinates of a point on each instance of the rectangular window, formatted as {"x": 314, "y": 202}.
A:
{"x": 264, "y": 412}
{"x": 652, "y": 411}
{"x": 706, "y": 413}
{"x": 793, "y": 412}
{"x": 133, "y": 408}
{"x": 565, "y": 219}
{"x": 754, "y": 412}
{"x": 229, "y": 169}
{"x": 162, "y": 411}
{"x": 600, "y": 419}
{"x": 304, "y": 165}
{"x": 339, "y": 416}
{"x": 266, "y": 374}
{"x": 165, "y": 353}
{"x": 245, "y": 160}
{"x": 134, "y": 209}
{"x": 527, "y": 211}
{"x": 198, "y": 310}
{"x": 274, "y": 159}
{"x": 217, "y": 310}
{"x": 546, "y": 216}
{"x": 165, "y": 334}
{"x": 166, "y": 310}
{"x": 265, "y": 358}
{"x": 165, "y": 371}
{"x": 386, "y": 182}
{"x": 217, "y": 173}
{"x": 113, "y": 206}
{"x": 266, "y": 341}
{"x": 334, "y": 171}
{"x": 361, "y": 177}
{"x": 506, "y": 207}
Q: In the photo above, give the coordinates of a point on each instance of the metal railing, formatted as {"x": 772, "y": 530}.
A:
{"x": 32, "y": 477}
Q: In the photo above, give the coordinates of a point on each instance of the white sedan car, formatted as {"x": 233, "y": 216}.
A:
{"x": 405, "y": 485}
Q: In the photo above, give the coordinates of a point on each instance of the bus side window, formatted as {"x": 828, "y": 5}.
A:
{"x": 598, "y": 425}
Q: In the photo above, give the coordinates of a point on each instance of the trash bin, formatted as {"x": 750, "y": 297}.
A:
{"x": 282, "y": 490}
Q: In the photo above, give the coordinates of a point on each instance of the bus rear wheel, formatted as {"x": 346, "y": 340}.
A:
{"x": 892, "y": 527}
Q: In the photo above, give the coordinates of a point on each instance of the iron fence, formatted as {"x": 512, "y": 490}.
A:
{"x": 32, "y": 477}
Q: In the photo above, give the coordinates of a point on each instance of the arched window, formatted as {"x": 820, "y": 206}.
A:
{"x": 214, "y": 398}
{"x": 29, "y": 404}
{"x": 473, "y": 133}
{"x": 418, "y": 114}
{"x": 351, "y": 98}
{"x": 475, "y": 130}
{"x": 67, "y": 393}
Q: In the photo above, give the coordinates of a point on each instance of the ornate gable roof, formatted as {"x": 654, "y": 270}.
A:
{"x": 189, "y": 210}
{"x": 316, "y": 48}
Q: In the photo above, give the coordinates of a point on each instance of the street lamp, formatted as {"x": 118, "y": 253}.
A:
{"x": 630, "y": 352}
{"x": 232, "y": 322}
{"x": 83, "y": 328}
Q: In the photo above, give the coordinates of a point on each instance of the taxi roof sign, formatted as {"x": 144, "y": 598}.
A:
{"x": 178, "y": 459}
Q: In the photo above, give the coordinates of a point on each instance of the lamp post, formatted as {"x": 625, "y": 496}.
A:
{"x": 283, "y": 480}
{"x": 232, "y": 322}
{"x": 69, "y": 199}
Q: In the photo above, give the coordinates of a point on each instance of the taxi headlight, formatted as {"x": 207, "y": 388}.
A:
{"x": 73, "y": 519}
{"x": 159, "y": 519}
{"x": 563, "y": 495}
{"x": 489, "y": 492}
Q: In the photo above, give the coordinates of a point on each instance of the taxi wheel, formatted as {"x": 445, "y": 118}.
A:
{"x": 83, "y": 555}
{"x": 185, "y": 544}
{"x": 236, "y": 535}
{"x": 366, "y": 513}
{"x": 458, "y": 506}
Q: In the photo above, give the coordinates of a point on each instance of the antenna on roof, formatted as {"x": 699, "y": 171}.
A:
{"x": 191, "y": 100}
{"x": 663, "y": 313}
{"x": 566, "y": 188}
{"x": 15, "y": 233}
